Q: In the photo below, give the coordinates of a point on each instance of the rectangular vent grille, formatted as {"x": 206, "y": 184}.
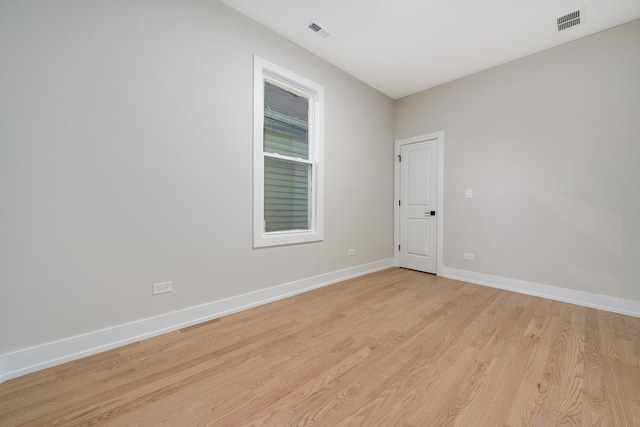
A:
{"x": 318, "y": 30}
{"x": 569, "y": 20}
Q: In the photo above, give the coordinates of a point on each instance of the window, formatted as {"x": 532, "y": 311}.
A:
{"x": 287, "y": 159}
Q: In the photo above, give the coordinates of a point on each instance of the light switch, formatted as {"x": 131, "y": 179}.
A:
{"x": 469, "y": 193}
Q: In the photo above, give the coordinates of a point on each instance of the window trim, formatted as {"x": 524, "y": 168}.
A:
{"x": 265, "y": 70}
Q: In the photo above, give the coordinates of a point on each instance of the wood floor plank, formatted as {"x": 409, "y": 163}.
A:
{"x": 433, "y": 346}
{"x": 393, "y": 348}
{"x": 508, "y": 352}
{"x": 593, "y": 394}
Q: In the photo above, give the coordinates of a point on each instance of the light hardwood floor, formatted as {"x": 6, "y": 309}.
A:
{"x": 394, "y": 348}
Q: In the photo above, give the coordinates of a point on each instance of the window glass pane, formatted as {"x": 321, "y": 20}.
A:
{"x": 286, "y": 122}
{"x": 287, "y": 201}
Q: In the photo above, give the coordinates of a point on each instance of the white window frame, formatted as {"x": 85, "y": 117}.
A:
{"x": 265, "y": 70}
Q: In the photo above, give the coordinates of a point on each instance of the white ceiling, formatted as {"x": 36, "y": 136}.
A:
{"x": 404, "y": 46}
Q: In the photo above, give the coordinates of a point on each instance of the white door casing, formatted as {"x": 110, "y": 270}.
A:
{"x": 418, "y": 190}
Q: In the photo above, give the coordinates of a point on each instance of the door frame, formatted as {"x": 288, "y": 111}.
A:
{"x": 396, "y": 196}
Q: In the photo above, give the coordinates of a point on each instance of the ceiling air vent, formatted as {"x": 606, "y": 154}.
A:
{"x": 318, "y": 30}
{"x": 570, "y": 19}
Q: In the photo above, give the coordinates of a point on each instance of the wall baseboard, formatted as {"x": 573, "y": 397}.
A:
{"x": 32, "y": 359}
{"x": 586, "y": 299}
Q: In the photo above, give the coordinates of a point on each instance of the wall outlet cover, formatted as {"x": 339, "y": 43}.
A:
{"x": 161, "y": 288}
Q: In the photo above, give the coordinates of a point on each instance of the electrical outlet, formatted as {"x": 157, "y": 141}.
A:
{"x": 469, "y": 193}
{"x": 469, "y": 257}
{"x": 352, "y": 252}
{"x": 161, "y": 288}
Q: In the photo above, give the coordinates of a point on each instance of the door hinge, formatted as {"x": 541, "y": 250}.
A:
{"x": 398, "y": 247}
{"x": 399, "y": 203}
{"x": 399, "y": 158}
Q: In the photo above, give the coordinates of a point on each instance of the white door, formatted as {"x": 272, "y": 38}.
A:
{"x": 418, "y": 210}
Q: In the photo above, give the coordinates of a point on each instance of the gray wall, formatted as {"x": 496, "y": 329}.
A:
{"x": 550, "y": 144}
{"x": 126, "y": 159}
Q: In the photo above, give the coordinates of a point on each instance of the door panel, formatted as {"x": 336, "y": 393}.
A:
{"x": 418, "y": 227}
{"x": 417, "y": 175}
{"x": 418, "y": 198}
